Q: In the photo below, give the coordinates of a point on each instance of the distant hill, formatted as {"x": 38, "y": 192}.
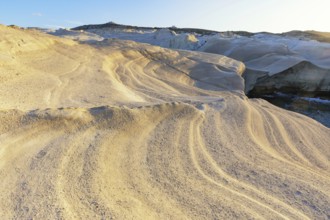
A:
{"x": 314, "y": 35}
{"x": 121, "y": 26}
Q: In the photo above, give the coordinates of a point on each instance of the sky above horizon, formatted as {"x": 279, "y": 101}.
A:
{"x": 221, "y": 15}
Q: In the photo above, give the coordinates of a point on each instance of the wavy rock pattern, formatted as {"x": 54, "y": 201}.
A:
{"x": 129, "y": 131}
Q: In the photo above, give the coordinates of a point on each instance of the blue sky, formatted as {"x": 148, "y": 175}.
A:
{"x": 221, "y": 15}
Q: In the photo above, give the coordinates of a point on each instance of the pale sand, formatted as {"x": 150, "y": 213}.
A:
{"x": 176, "y": 137}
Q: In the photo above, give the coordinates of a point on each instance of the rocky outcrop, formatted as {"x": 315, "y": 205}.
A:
{"x": 302, "y": 79}
{"x": 278, "y": 64}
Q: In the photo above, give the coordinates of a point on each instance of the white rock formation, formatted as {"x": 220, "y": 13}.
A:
{"x": 278, "y": 63}
{"x": 273, "y": 63}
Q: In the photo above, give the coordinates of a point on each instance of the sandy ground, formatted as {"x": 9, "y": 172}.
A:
{"x": 121, "y": 130}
